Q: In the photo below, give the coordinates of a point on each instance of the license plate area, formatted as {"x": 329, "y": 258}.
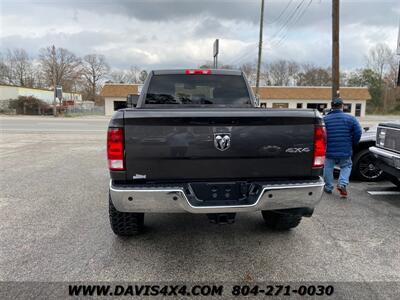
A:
{"x": 223, "y": 194}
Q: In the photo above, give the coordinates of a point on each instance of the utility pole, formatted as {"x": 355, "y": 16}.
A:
{"x": 260, "y": 47}
{"x": 398, "y": 53}
{"x": 335, "y": 50}
{"x": 53, "y": 55}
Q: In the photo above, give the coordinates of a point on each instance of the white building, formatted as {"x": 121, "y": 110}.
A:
{"x": 115, "y": 95}
{"x": 355, "y": 98}
{"x": 10, "y": 92}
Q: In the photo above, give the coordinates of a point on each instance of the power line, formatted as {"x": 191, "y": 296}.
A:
{"x": 281, "y": 14}
{"x": 296, "y": 15}
{"x": 246, "y": 55}
{"x": 279, "y": 42}
{"x": 243, "y": 53}
{"x": 291, "y": 16}
{"x": 284, "y": 37}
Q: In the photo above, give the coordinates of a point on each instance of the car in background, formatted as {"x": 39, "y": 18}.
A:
{"x": 364, "y": 164}
{"x": 386, "y": 151}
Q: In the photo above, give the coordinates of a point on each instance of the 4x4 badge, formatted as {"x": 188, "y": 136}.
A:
{"x": 297, "y": 150}
{"x": 222, "y": 141}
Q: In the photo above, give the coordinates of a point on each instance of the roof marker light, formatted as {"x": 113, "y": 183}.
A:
{"x": 198, "y": 72}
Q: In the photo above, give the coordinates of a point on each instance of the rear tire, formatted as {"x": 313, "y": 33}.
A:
{"x": 280, "y": 221}
{"x": 124, "y": 223}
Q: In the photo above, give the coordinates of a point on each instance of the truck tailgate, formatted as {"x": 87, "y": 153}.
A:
{"x": 203, "y": 144}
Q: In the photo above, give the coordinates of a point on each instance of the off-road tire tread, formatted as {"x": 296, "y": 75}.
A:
{"x": 124, "y": 223}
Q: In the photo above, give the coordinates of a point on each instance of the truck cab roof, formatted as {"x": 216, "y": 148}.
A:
{"x": 198, "y": 71}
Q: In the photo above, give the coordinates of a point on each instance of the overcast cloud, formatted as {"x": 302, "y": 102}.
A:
{"x": 173, "y": 34}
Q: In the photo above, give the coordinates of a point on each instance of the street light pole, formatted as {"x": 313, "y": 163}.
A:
{"x": 260, "y": 47}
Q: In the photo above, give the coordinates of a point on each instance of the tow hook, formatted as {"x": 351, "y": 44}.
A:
{"x": 223, "y": 218}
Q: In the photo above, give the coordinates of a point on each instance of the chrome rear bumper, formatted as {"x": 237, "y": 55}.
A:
{"x": 173, "y": 199}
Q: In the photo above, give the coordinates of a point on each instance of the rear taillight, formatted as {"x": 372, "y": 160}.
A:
{"x": 319, "y": 147}
{"x": 198, "y": 72}
{"x": 115, "y": 149}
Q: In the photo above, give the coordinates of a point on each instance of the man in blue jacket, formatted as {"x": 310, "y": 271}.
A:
{"x": 342, "y": 131}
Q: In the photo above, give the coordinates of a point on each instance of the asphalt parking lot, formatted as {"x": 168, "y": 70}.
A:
{"x": 54, "y": 223}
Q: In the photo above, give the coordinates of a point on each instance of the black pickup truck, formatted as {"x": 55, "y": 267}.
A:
{"x": 197, "y": 142}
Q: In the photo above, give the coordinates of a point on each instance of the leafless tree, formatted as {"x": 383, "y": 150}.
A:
{"x": 60, "y": 67}
{"x": 314, "y": 76}
{"x": 390, "y": 77}
{"x": 282, "y": 72}
{"x": 142, "y": 76}
{"x": 119, "y": 77}
{"x": 250, "y": 70}
{"x": 133, "y": 75}
{"x": 22, "y": 67}
{"x": 380, "y": 59}
{"x": 265, "y": 78}
{"x": 293, "y": 71}
{"x": 38, "y": 76}
{"x": 94, "y": 69}
{"x": 16, "y": 68}
{"x": 4, "y": 70}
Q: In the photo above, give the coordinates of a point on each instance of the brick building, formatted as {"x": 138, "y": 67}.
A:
{"x": 355, "y": 98}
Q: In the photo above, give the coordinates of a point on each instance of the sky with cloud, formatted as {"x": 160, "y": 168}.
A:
{"x": 180, "y": 33}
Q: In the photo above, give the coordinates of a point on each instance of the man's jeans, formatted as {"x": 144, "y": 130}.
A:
{"x": 345, "y": 170}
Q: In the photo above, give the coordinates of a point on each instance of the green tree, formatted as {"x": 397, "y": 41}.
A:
{"x": 370, "y": 79}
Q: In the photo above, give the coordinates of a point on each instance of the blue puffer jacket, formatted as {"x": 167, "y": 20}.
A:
{"x": 342, "y": 131}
